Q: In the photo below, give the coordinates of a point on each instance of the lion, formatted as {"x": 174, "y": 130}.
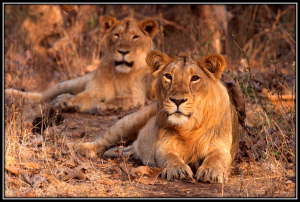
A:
{"x": 119, "y": 80}
{"x": 192, "y": 127}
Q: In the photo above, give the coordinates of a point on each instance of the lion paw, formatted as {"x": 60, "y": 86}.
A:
{"x": 177, "y": 172}
{"x": 211, "y": 174}
{"x": 86, "y": 149}
{"x": 64, "y": 103}
{"x": 104, "y": 107}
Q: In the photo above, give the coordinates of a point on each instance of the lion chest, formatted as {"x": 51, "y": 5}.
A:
{"x": 190, "y": 146}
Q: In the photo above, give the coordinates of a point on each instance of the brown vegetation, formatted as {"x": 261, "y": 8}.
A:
{"x": 44, "y": 45}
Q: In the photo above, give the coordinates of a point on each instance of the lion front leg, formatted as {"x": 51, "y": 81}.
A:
{"x": 214, "y": 167}
{"x": 62, "y": 102}
{"x": 124, "y": 103}
{"x": 105, "y": 106}
{"x": 125, "y": 130}
{"x": 88, "y": 149}
{"x": 117, "y": 134}
{"x": 175, "y": 167}
{"x": 83, "y": 102}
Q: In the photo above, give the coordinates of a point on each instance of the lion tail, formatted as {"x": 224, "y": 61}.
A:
{"x": 73, "y": 86}
{"x": 32, "y": 96}
{"x": 120, "y": 151}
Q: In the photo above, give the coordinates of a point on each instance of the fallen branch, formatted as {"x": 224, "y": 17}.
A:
{"x": 280, "y": 27}
{"x": 166, "y": 22}
{"x": 290, "y": 36}
{"x": 274, "y": 98}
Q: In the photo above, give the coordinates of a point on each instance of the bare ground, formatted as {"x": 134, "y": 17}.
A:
{"x": 103, "y": 178}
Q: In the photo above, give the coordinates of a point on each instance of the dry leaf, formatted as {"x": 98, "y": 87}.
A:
{"x": 106, "y": 182}
{"x": 37, "y": 181}
{"x": 56, "y": 151}
{"x": 83, "y": 167}
{"x": 28, "y": 153}
{"x": 50, "y": 178}
{"x": 9, "y": 160}
{"x": 15, "y": 170}
{"x": 42, "y": 122}
{"x": 82, "y": 134}
{"x": 140, "y": 173}
{"x": 51, "y": 150}
{"x": 116, "y": 175}
{"x": 72, "y": 127}
{"x": 8, "y": 78}
{"x": 14, "y": 182}
{"x": 30, "y": 194}
{"x": 126, "y": 170}
{"x": 31, "y": 165}
{"x": 26, "y": 178}
{"x": 74, "y": 133}
{"x": 77, "y": 174}
{"x": 149, "y": 172}
{"x": 38, "y": 140}
{"x": 70, "y": 163}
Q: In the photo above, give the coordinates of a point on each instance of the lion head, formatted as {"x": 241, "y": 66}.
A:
{"x": 127, "y": 42}
{"x": 185, "y": 85}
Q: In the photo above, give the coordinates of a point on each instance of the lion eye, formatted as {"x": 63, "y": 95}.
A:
{"x": 195, "y": 78}
{"x": 116, "y": 35}
{"x": 136, "y": 37}
{"x": 168, "y": 76}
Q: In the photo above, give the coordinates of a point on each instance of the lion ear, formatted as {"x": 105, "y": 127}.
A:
{"x": 215, "y": 64}
{"x": 150, "y": 87}
{"x": 106, "y": 22}
{"x": 149, "y": 26}
{"x": 156, "y": 60}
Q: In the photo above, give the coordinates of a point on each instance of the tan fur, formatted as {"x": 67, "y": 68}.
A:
{"x": 191, "y": 127}
{"x": 118, "y": 82}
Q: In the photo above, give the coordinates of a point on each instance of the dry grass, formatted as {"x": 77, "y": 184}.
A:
{"x": 260, "y": 54}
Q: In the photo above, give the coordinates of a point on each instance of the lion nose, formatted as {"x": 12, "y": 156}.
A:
{"x": 123, "y": 52}
{"x": 178, "y": 102}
